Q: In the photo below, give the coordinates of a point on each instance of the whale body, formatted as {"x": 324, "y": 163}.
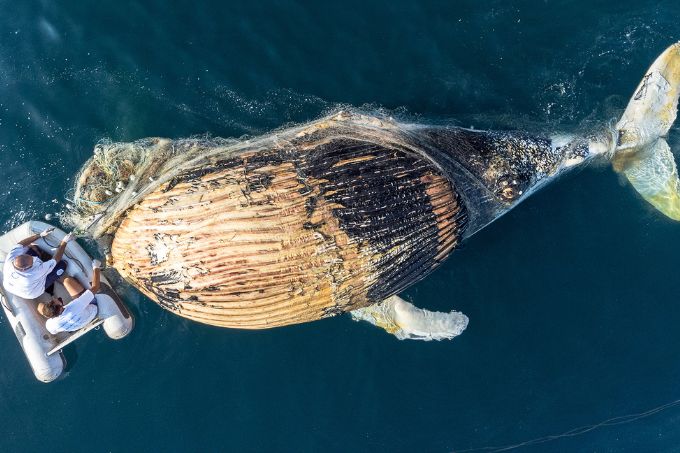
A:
{"x": 338, "y": 214}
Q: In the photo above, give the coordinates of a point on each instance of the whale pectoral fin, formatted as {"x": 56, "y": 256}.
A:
{"x": 653, "y": 173}
{"x": 652, "y": 109}
{"x": 407, "y": 322}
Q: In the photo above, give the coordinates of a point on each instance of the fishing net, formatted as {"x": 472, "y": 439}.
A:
{"x": 119, "y": 175}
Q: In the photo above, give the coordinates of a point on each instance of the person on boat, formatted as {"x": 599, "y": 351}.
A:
{"x": 79, "y": 312}
{"x": 25, "y": 274}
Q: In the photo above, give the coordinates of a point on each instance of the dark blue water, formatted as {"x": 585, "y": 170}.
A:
{"x": 572, "y": 297}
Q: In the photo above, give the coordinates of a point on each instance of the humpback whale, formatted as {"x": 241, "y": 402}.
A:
{"x": 343, "y": 213}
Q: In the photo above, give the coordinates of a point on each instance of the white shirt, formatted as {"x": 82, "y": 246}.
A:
{"x": 76, "y": 314}
{"x": 30, "y": 283}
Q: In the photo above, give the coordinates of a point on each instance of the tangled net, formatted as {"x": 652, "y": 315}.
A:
{"x": 118, "y": 175}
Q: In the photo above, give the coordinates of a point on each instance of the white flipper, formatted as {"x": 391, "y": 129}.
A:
{"x": 407, "y": 322}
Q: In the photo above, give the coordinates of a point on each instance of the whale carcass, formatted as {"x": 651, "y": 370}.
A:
{"x": 340, "y": 213}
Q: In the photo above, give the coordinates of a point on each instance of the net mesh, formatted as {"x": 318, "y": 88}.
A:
{"x": 118, "y": 175}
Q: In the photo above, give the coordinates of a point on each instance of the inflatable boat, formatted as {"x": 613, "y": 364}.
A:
{"x": 42, "y": 349}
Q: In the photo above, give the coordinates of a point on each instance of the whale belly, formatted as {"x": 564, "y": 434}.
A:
{"x": 270, "y": 238}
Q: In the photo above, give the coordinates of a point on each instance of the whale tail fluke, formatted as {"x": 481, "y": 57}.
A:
{"x": 654, "y": 106}
{"x": 641, "y": 153}
{"x": 655, "y": 177}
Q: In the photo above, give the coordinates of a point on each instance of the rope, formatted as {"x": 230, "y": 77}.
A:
{"x": 66, "y": 252}
{"x": 614, "y": 421}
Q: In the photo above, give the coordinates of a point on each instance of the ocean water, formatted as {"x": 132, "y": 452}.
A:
{"x": 572, "y": 297}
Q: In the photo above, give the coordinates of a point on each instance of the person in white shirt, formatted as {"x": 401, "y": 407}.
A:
{"x": 25, "y": 274}
{"x": 79, "y": 312}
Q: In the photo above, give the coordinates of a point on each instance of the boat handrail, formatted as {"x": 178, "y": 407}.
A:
{"x": 3, "y": 299}
{"x": 92, "y": 325}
